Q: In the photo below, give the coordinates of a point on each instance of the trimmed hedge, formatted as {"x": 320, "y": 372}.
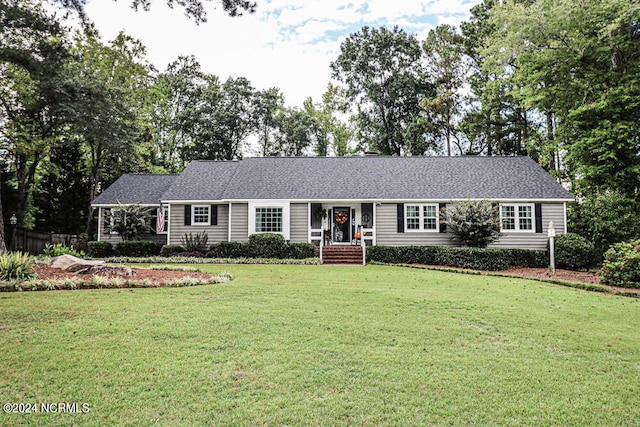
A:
{"x": 266, "y": 245}
{"x": 229, "y": 250}
{"x": 621, "y": 265}
{"x": 573, "y": 252}
{"x": 168, "y": 250}
{"x": 472, "y": 258}
{"x": 99, "y": 249}
{"x": 299, "y": 251}
{"x": 138, "y": 248}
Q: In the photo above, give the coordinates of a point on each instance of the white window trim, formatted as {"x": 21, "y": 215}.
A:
{"x": 422, "y": 229}
{"x": 517, "y": 218}
{"x": 193, "y": 215}
{"x": 286, "y": 216}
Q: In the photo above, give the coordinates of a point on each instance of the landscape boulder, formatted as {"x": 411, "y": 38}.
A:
{"x": 72, "y": 263}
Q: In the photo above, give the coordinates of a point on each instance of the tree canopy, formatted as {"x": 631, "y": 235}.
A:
{"x": 557, "y": 80}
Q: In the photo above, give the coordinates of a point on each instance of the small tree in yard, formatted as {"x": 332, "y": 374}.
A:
{"x": 129, "y": 221}
{"x": 475, "y": 223}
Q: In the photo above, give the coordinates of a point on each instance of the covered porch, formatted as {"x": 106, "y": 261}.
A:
{"x": 342, "y": 223}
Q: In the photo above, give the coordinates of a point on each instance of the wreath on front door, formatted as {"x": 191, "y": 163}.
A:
{"x": 342, "y": 217}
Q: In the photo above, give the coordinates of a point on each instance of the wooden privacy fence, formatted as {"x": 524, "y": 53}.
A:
{"x": 34, "y": 242}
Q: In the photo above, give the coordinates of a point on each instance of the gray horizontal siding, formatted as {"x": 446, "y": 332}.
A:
{"x": 550, "y": 212}
{"x": 239, "y": 222}
{"x": 299, "y": 222}
{"x": 216, "y": 233}
{"x": 387, "y": 231}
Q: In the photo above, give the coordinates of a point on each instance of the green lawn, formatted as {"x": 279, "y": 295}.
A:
{"x": 321, "y": 345}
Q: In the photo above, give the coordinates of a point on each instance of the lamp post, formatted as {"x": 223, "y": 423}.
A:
{"x": 551, "y": 233}
{"x": 13, "y": 220}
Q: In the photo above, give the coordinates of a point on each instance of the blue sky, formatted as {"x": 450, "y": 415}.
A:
{"x": 286, "y": 43}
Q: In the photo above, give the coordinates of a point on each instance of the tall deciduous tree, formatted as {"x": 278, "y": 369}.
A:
{"x": 108, "y": 101}
{"x": 295, "y": 132}
{"x": 578, "y": 65}
{"x": 174, "y": 101}
{"x": 192, "y": 8}
{"x": 330, "y": 133}
{"x": 223, "y": 120}
{"x": 384, "y": 76}
{"x": 495, "y": 122}
{"x": 33, "y": 93}
{"x": 268, "y": 104}
{"x": 446, "y": 67}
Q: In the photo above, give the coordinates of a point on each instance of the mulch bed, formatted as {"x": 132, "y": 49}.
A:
{"x": 585, "y": 277}
{"x": 159, "y": 276}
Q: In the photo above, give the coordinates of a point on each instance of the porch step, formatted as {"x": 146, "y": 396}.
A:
{"x": 342, "y": 254}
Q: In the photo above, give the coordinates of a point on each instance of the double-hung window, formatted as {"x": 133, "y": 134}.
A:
{"x": 516, "y": 217}
{"x": 421, "y": 217}
{"x": 269, "y": 220}
{"x": 200, "y": 215}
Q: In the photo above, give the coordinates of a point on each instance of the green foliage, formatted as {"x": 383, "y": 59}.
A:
{"x": 573, "y": 252}
{"x": 299, "y": 251}
{"x": 100, "y": 249}
{"x": 195, "y": 242}
{"x": 472, "y": 258}
{"x": 606, "y": 219}
{"x": 266, "y": 245}
{"x": 58, "y": 249}
{"x": 230, "y": 250}
{"x": 575, "y": 65}
{"x": 99, "y": 282}
{"x": 476, "y": 223}
{"x": 481, "y": 341}
{"x": 129, "y": 221}
{"x": 16, "y": 266}
{"x": 168, "y": 250}
{"x": 384, "y": 76}
{"x": 263, "y": 245}
{"x": 621, "y": 265}
{"x": 444, "y": 50}
{"x": 217, "y": 261}
{"x": 138, "y": 248}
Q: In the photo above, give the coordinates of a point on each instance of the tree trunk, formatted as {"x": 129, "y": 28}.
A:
{"x": 3, "y": 246}
{"x": 94, "y": 175}
{"x": 551, "y": 139}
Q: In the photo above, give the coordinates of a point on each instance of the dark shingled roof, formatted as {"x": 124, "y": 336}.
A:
{"x": 203, "y": 180}
{"x": 369, "y": 178}
{"x": 137, "y": 189}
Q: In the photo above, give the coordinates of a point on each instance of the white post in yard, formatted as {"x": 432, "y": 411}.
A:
{"x": 551, "y": 233}
{"x": 364, "y": 248}
{"x": 321, "y": 243}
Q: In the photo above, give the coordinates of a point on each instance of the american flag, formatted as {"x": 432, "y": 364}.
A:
{"x": 160, "y": 220}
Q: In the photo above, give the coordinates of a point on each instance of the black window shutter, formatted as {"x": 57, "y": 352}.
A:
{"x": 538, "y": 210}
{"x": 443, "y": 225}
{"x": 400, "y": 208}
{"x": 214, "y": 215}
{"x": 187, "y": 214}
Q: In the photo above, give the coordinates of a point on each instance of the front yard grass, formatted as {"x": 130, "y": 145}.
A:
{"x": 324, "y": 345}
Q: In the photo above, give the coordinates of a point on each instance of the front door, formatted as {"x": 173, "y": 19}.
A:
{"x": 342, "y": 225}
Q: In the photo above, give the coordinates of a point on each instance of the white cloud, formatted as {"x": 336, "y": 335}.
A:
{"x": 286, "y": 43}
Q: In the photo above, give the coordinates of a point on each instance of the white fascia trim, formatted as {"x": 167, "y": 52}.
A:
{"x": 106, "y": 205}
{"x": 348, "y": 201}
{"x": 193, "y": 202}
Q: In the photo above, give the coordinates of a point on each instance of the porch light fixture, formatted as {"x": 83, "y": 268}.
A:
{"x": 13, "y": 220}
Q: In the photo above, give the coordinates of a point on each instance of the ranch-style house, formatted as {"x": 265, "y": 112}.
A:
{"x": 375, "y": 200}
